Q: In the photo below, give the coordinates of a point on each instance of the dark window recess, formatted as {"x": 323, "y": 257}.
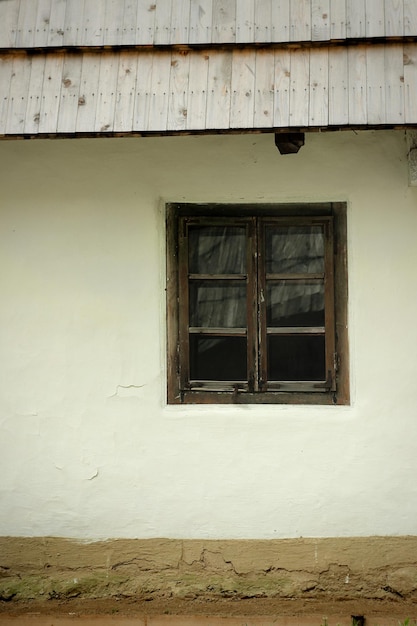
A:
{"x": 253, "y": 315}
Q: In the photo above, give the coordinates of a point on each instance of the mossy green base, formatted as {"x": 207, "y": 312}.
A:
{"x": 48, "y": 568}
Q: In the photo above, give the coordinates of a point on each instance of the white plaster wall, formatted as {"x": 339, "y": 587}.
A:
{"x": 89, "y": 448}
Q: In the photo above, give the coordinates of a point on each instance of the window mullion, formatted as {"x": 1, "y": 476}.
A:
{"x": 251, "y": 315}
{"x": 183, "y": 347}
{"x": 331, "y": 357}
{"x": 261, "y": 306}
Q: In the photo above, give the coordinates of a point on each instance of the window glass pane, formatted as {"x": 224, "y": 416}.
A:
{"x": 218, "y": 358}
{"x": 294, "y": 249}
{"x": 299, "y": 303}
{"x": 218, "y": 304}
{"x": 296, "y": 357}
{"x": 217, "y": 250}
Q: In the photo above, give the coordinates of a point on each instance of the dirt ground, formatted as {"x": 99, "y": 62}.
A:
{"x": 394, "y": 610}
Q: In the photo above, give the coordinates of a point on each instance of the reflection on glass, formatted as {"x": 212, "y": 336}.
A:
{"x": 299, "y": 303}
{"x": 297, "y": 357}
{"x": 218, "y": 304}
{"x": 218, "y": 358}
{"x": 217, "y": 250}
{"x": 294, "y": 249}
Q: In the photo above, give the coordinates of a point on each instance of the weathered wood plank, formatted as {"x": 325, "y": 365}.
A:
{"x": 410, "y": 17}
{"x": 163, "y": 14}
{"x": 113, "y": 21}
{"x": 145, "y": 22}
{"x": 17, "y": 95}
{"x": 128, "y": 27}
{"x": 338, "y": 87}
{"x": 263, "y": 20}
{"x": 299, "y": 92}
{"x": 319, "y": 87}
{"x": 264, "y": 89}
{"x": 92, "y": 27}
{"x": 43, "y": 19}
{"x": 201, "y": 18}
{"x": 224, "y": 21}
{"x": 143, "y": 91}
{"x": 197, "y": 91}
{"x": 356, "y": 19}
{"x": 243, "y": 89}
{"x": 57, "y": 23}
{"x": 106, "y": 96}
{"x": 178, "y": 91}
{"x": 245, "y": 21}
{"x": 158, "y": 111}
{"x": 281, "y": 20}
{"x": 51, "y": 91}
{"x": 394, "y": 18}
{"x": 6, "y": 68}
{"x": 282, "y": 86}
{"x": 125, "y": 92}
{"x": 357, "y": 84}
{"x": 180, "y": 21}
{"x": 375, "y": 18}
{"x": 33, "y": 108}
{"x": 394, "y": 84}
{"x": 9, "y": 16}
{"x": 87, "y": 101}
{"x": 320, "y": 20}
{"x": 70, "y": 92}
{"x": 75, "y": 23}
{"x": 337, "y": 19}
{"x": 26, "y": 24}
{"x": 218, "y": 90}
{"x": 410, "y": 83}
{"x": 375, "y": 72}
{"x": 300, "y": 20}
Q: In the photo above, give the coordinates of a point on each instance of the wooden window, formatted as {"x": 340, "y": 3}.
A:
{"x": 256, "y": 304}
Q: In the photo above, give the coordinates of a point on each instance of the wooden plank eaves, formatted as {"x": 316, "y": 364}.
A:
{"x": 208, "y": 90}
{"x": 29, "y": 24}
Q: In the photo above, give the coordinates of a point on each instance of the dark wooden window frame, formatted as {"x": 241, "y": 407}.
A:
{"x": 179, "y": 391}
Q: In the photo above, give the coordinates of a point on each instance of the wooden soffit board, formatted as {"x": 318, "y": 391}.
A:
{"x": 42, "y": 23}
{"x": 159, "y": 91}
